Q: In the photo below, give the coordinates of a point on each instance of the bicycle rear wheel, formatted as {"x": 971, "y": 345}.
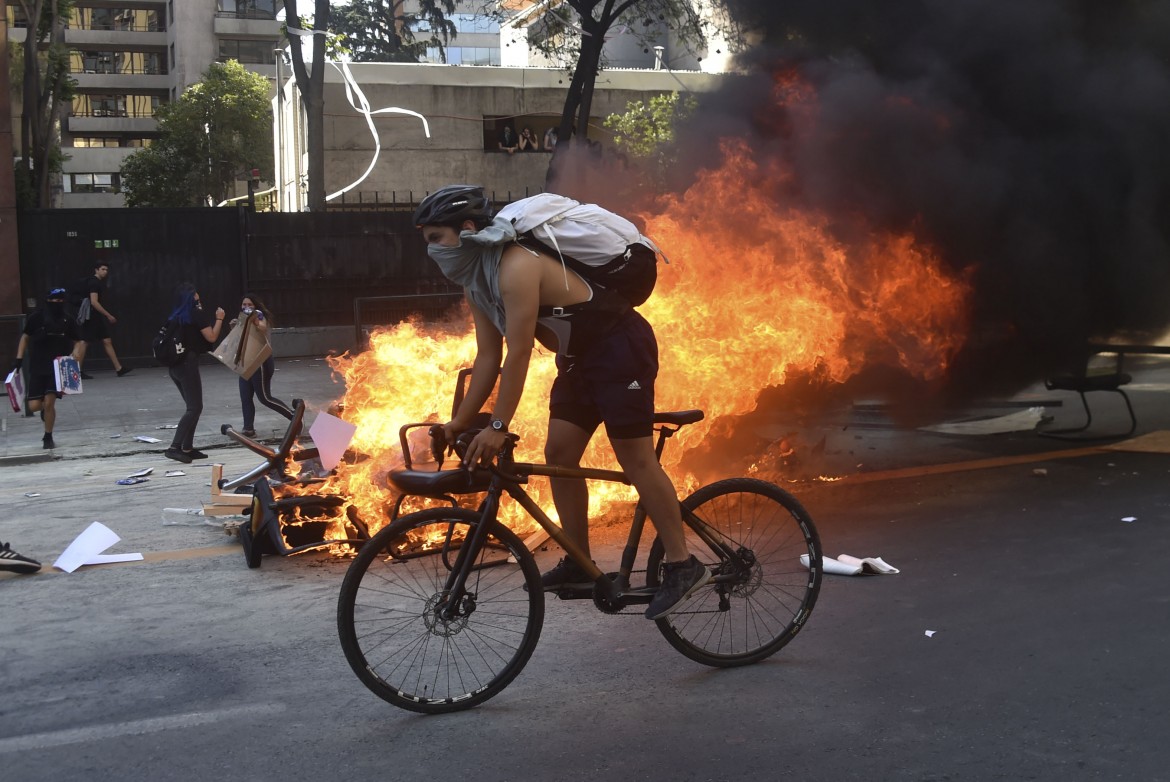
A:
{"x": 747, "y": 613}
{"x": 393, "y": 629}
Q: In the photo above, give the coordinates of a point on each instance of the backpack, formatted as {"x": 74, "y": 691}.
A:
{"x": 167, "y": 345}
{"x": 602, "y": 247}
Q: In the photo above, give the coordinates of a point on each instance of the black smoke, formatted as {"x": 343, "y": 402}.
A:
{"x": 1027, "y": 140}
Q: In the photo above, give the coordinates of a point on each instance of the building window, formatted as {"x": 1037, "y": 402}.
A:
{"x": 465, "y": 55}
{"x": 114, "y": 105}
{"x": 247, "y": 9}
{"x": 91, "y": 183}
{"x": 109, "y": 141}
{"x": 116, "y": 62}
{"x": 250, "y": 52}
{"x": 172, "y": 55}
{"x": 119, "y": 19}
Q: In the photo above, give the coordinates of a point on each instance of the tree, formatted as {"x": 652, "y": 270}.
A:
{"x": 645, "y": 132}
{"x": 46, "y": 88}
{"x": 383, "y": 31}
{"x": 576, "y": 30}
{"x": 219, "y": 130}
{"x": 311, "y": 85}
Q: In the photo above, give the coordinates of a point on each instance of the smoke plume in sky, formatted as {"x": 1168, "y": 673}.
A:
{"x": 1027, "y": 140}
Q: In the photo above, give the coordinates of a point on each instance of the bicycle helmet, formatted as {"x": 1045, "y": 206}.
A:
{"x": 453, "y": 204}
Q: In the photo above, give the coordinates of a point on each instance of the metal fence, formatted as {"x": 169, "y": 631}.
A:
{"x": 309, "y": 268}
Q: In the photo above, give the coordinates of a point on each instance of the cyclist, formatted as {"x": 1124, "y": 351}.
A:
{"x": 607, "y": 360}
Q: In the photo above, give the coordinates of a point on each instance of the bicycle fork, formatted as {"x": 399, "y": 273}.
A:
{"x": 455, "y": 601}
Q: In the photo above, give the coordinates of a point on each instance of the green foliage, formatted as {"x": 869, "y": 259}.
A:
{"x": 645, "y": 134}
{"x": 646, "y": 130}
{"x": 383, "y": 31}
{"x": 218, "y": 131}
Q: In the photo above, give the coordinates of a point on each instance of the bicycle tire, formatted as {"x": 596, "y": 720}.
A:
{"x": 770, "y": 606}
{"x": 397, "y": 644}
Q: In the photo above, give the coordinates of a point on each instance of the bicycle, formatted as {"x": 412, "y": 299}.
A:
{"x": 442, "y": 608}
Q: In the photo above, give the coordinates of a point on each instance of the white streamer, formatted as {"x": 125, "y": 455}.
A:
{"x": 352, "y": 90}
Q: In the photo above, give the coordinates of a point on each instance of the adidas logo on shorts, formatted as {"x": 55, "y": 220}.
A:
{"x": 634, "y": 386}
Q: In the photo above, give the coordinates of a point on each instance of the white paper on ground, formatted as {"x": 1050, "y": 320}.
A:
{"x": 1020, "y": 421}
{"x": 144, "y": 439}
{"x": 332, "y": 436}
{"x": 845, "y": 565}
{"x": 141, "y": 473}
{"x": 87, "y": 548}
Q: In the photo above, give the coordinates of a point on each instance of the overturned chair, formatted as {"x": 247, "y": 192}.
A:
{"x": 263, "y": 532}
{"x": 1086, "y": 379}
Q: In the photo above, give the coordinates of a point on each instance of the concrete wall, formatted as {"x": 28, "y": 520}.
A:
{"x": 456, "y": 101}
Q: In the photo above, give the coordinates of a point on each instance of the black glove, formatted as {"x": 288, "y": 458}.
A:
{"x": 18, "y": 363}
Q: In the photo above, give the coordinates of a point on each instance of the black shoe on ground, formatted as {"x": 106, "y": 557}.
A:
{"x": 18, "y": 563}
{"x": 47, "y": 442}
{"x": 567, "y": 574}
{"x": 248, "y": 432}
{"x": 196, "y": 454}
{"x": 177, "y": 455}
{"x": 680, "y": 580}
{"x": 125, "y": 371}
{"x": 86, "y": 376}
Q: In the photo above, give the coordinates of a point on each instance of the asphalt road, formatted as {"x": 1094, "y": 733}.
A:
{"x": 1048, "y": 611}
{"x": 1047, "y": 659}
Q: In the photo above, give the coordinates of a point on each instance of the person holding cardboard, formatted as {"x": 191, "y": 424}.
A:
{"x": 48, "y": 333}
{"x": 259, "y": 384}
{"x": 199, "y": 333}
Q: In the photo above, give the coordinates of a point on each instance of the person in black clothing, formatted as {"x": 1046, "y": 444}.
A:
{"x": 48, "y": 333}
{"x": 198, "y": 334}
{"x": 507, "y": 139}
{"x": 96, "y": 327}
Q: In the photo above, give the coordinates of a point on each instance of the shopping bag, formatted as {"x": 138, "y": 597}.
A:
{"x": 244, "y": 349}
{"x": 67, "y": 373}
{"x": 16, "y": 391}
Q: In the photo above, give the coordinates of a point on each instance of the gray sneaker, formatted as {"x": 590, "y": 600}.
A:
{"x": 567, "y": 574}
{"x": 680, "y": 580}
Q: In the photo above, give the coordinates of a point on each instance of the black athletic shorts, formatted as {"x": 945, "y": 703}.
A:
{"x": 40, "y": 384}
{"x": 613, "y": 382}
{"x": 96, "y": 328}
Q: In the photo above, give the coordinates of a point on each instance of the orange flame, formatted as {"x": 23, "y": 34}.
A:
{"x": 741, "y": 306}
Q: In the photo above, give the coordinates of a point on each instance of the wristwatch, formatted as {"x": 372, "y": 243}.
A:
{"x": 498, "y": 425}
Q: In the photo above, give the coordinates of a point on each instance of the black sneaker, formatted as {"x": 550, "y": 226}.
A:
{"x": 18, "y": 563}
{"x": 196, "y": 454}
{"x": 248, "y": 432}
{"x": 125, "y": 371}
{"x": 47, "y": 441}
{"x": 177, "y": 455}
{"x": 567, "y": 574}
{"x": 86, "y": 376}
{"x": 680, "y": 580}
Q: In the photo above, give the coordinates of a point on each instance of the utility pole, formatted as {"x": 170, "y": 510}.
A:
{"x": 10, "y": 303}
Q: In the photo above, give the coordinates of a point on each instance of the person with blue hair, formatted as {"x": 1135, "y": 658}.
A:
{"x": 198, "y": 333}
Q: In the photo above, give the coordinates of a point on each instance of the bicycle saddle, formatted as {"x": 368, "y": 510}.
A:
{"x": 438, "y": 483}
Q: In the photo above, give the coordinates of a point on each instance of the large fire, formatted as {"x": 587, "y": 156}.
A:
{"x": 743, "y": 304}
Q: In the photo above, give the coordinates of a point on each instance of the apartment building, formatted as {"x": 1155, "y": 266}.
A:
{"x": 129, "y": 57}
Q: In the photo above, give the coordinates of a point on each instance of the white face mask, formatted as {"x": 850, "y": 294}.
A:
{"x": 248, "y": 310}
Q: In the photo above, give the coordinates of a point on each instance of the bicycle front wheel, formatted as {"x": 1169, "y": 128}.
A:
{"x": 401, "y": 636}
{"x": 759, "y": 600}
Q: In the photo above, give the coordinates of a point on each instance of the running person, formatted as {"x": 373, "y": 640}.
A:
{"x": 607, "y": 360}
{"x": 49, "y": 332}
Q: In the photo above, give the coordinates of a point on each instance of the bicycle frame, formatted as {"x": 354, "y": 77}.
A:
{"x": 508, "y": 477}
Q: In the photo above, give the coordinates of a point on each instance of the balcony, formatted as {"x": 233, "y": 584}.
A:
{"x": 114, "y": 39}
{"x": 247, "y": 28}
{"x": 158, "y": 83}
{"x": 105, "y": 126}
